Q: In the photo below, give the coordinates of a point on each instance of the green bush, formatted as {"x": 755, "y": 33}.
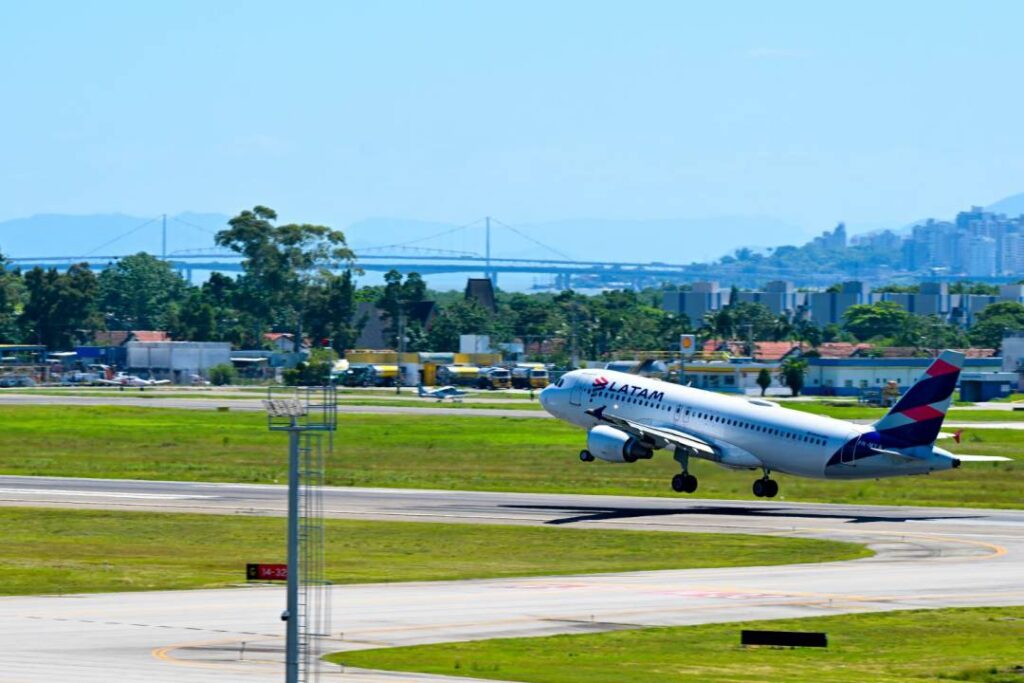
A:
{"x": 223, "y": 374}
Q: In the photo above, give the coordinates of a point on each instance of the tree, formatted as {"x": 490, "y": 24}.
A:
{"x": 792, "y": 373}
{"x": 936, "y": 333}
{"x": 61, "y": 307}
{"x": 881, "y": 319}
{"x": 12, "y": 291}
{"x": 806, "y": 331}
{"x": 753, "y": 321}
{"x": 314, "y": 372}
{"x": 994, "y": 321}
{"x": 531, "y": 317}
{"x": 397, "y": 299}
{"x": 137, "y": 293}
{"x": 764, "y": 380}
{"x": 280, "y": 261}
{"x": 458, "y": 318}
{"x": 195, "y": 319}
{"x": 330, "y": 311}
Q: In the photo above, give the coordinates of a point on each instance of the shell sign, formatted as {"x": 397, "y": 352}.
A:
{"x": 687, "y": 344}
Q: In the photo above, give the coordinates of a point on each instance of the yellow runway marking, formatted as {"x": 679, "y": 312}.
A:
{"x": 164, "y": 655}
{"x": 996, "y": 550}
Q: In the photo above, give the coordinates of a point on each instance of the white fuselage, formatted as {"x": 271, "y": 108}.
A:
{"x": 747, "y": 433}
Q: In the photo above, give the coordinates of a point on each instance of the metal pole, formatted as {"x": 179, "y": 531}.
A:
{"x": 292, "y": 624}
{"x": 401, "y": 350}
{"x": 490, "y": 275}
{"x": 163, "y": 242}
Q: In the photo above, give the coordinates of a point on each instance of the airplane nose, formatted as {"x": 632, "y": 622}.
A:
{"x": 545, "y": 396}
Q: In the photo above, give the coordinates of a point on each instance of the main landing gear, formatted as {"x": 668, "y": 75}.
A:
{"x": 766, "y": 487}
{"x": 684, "y": 482}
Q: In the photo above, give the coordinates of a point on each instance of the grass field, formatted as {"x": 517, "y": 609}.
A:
{"x": 443, "y": 452}
{"x": 72, "y": 551}
{"x": 984, "y": 645}
{"x": 858, "y": 412}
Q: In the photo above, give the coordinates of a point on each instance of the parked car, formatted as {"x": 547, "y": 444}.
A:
{"x": 8, "y": 381}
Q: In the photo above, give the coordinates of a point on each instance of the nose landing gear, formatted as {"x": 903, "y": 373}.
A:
{"x": 586, "y": 456}
{"x": 684, "y": 482}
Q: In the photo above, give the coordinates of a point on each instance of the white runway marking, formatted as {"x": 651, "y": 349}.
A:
{"x": 103, "y": 494}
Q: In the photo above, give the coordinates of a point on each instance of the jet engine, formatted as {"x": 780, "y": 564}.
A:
{"x": 613, "y": 445}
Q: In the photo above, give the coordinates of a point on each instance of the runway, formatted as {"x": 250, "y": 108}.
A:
{"x": 926, "y": 557}
{"x": 140, "y": 400}
{"x": 428, "y": 408}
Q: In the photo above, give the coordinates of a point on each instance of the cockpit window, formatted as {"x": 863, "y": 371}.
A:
{"x": 560, "y": 382}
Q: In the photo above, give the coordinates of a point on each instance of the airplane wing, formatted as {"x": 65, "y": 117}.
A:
{"x": 660, "y": 436}
{"x": 111, "y": 382}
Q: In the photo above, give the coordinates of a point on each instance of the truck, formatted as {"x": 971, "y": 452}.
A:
{"x": 494, "y": 378}
{"x": 530, "y": 376}
{"x": 458, "y": 375}
{"x": 368, "y": 375}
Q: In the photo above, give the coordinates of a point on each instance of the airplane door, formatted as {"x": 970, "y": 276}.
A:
{"x": 576, "y": 396}
{"x": 847, "y": 456}
{"x": 680, "y": 416}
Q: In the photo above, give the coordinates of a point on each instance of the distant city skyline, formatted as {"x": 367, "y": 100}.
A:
{"x": 978, "y": 244}
{"x": 877, "y": 114}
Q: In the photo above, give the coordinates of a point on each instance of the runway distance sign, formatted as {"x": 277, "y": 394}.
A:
{"x": 266, "y": 572}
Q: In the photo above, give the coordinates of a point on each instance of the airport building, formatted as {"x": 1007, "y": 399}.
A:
{"x": 181, "y": 362}
{"x": 855, "y": 376}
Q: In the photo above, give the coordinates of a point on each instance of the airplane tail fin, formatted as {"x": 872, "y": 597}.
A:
{"x": 420, "y": 389}
{"x": 917, "y": 417}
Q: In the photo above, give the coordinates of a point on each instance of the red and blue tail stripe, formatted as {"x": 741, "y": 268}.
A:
{"x": 917, "y": 417}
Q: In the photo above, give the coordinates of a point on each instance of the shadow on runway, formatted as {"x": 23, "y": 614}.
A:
{"x": 582, "y": 513}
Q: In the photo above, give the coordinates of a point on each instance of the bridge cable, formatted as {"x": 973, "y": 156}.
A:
{"x": 122, "y": 236}
{"x": 537, "y": 242}
{"x": 428, "y": 237}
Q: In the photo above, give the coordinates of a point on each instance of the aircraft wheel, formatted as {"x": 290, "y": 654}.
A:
{"x": 586, "y": 456}
{"x": 684, "y": 483}
{"x": 759, "y": 488}
{"x": 771, "y": 488}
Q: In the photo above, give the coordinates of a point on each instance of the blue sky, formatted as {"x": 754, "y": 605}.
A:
{"x": 876, "y": 113}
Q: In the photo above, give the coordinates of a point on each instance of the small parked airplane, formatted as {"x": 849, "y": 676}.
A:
{"x": 628, "y": 417}
{"x": 441, "y": 393}
{"x": 122, "y": 380}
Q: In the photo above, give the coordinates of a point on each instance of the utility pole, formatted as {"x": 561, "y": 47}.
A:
{"x": 401, "y": 350}
{"x": 490, "y": 273}
{"x": 291, "y": 665}
{"x": 163, "y": 241}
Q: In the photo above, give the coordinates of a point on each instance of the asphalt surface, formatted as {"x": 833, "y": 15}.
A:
{"x": 926, "y": 557}
{"x": 153, "y": 400}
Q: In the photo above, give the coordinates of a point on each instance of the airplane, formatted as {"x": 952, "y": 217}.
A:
{"x": 122, "y": 380}
{"x": 628, "y": 418}
{"x": 441, "y": 393}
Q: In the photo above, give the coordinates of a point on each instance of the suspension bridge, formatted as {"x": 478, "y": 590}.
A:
{"x": 561, "y": 269}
